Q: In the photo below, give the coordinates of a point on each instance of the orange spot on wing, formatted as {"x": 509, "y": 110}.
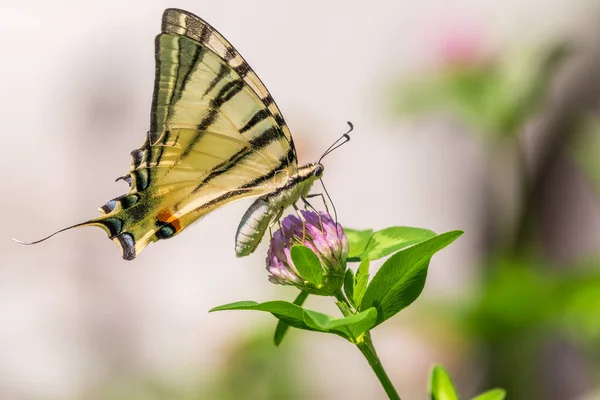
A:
{"x": 166, "y": 217}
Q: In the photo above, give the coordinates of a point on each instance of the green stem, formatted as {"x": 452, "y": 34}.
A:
{"x": 365, "y": 345}
{"x": 343, "y": 304}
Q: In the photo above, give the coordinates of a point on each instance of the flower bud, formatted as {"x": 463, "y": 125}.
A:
{"x": 324, "y": 237}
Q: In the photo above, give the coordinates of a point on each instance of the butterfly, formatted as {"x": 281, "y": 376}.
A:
{"x": 216, "y": 136}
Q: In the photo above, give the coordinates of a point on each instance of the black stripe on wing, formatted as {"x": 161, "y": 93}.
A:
{"x": 181, "y": 22}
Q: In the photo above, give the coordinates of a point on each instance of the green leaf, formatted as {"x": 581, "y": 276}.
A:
{"x": 348, "y": 327}
{"x": 283, "y": 327}
{"x": 440, "y": 385}
{"x": 307, "y": 263}
{"x": 494, "y": 394}
{"x": 356, "y": 325}
{"x": 317, "y": 320}
{"x": 276, "y": 307}
{"x": 366, "y": 244}
{"x": 349, "y": 286}
{"x": 390, "y": 240}
{"x": 363, "y": 268}
{"x": 362, "y": 279}
{"x": 401, "y": 278}
{"x": 238, "y": 305}
{"x": 290, "y": 313}
{"x": 352, "y": 326}
{"x": 357, "y": 241}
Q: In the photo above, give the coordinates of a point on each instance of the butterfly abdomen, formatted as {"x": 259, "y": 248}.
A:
{"x": 253, "y": 225}
{"x": 268, "y": 208}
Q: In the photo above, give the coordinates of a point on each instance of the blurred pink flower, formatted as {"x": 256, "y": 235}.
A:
{"x": 460, "y": 48}
{"x": 458, "y": 44}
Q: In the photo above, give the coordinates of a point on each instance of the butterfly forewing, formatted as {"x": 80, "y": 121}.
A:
{"x": 183, "y": 23}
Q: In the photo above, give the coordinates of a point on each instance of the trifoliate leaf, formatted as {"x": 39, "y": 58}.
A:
{"x": 401, "y": 278}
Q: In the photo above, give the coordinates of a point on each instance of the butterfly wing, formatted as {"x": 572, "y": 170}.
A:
{"x": 216, "y": 136}
{"x": 184, "y": 24}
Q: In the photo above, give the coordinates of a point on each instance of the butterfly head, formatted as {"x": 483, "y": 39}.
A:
{"x": 312, "y": 171}
{"x": 318, "y": 170}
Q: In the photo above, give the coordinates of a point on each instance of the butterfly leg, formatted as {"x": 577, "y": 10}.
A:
{"x": 307, "y": 204}
{"x": 276, "y": 220}
{"x": 322, "y": 198}
{"x": 303, "y": 221}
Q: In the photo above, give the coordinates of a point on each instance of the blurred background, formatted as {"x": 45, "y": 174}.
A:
{"x": 480, "y": 115}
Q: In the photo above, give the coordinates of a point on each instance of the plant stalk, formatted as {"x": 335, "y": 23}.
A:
{"x": 343, "y": 304}
{"x": 368, "y": 350}
{"x": 366, "y": 347}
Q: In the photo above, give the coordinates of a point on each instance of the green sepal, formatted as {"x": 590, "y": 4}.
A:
{"x": 401, "y": 279}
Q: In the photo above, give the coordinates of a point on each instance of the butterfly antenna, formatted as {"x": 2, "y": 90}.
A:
{"x": 49, "y": 236}
{"x": 345, "y": 138}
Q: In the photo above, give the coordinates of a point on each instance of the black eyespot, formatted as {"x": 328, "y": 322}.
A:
{"x": 165, "y": 232}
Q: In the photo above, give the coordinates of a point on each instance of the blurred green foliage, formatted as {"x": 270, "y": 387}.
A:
{"x": 442, "y": 388}
{"x": 495, "y": 97}
{"x": 522, "y": 295}
{"x": 253, "y": 369}
{"x": 585, "y": 148}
